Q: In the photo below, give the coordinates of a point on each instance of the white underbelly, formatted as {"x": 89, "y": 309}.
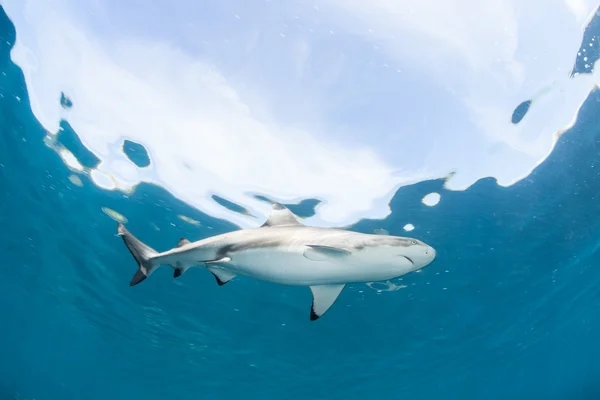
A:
{"x": 292, "y": 268}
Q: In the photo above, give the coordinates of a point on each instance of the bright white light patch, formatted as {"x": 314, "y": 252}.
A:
{"x": 409, "y": 227}
{"x": 206, "y": 100}
{"x": 431, "y": 199}
{"x": 114, "y": 215}
{"x": 103, "y": 180}
{"x": 70, "y": 159}
{"x": 75, "y": 180}
{"x": 189, "y": 220}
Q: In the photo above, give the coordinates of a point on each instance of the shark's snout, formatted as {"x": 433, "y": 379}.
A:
{"x": 430, "y": 253}
{"x": 418, "y": 254}
{"x": 424, "y": 254}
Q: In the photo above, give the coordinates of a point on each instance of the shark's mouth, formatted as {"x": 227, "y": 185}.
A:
{"x": 411, "y": 261}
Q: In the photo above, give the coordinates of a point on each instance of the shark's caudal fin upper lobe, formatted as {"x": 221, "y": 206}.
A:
{"x": 142, "y": 254}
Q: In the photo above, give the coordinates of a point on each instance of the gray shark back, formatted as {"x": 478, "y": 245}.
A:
{"x": 278, "y": 237}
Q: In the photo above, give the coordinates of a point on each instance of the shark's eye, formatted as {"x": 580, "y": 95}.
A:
{"x": 414, "y": 242}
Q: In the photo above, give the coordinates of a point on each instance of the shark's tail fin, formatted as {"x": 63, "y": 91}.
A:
{"x": 143, "y": 255}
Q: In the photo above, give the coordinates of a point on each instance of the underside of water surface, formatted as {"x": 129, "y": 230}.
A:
{"x": 509, "y": 310}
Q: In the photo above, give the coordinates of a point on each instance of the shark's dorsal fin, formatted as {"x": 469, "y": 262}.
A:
{"x": 182, "y": 242}
{"x": 281, "y": 216}
{"x": 323, "y": 298}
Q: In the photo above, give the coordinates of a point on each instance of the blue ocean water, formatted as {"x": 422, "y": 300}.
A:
{"x": 510, "y": 309}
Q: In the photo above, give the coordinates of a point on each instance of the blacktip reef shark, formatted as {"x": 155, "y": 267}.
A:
{"x": 287, "y": 252}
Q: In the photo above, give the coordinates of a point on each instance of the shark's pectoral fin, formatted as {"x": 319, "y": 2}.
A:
{"x": 323, "y": 297}
{"x": 324, "y": 253}
{"x": 221, "y": 275}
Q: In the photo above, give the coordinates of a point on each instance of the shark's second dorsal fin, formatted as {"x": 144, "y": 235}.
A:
{"x": 281, "y": 216}
{"x": 182, "y": 242}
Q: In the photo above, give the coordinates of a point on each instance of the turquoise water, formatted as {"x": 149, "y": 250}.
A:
{"x": 510, "y": 309}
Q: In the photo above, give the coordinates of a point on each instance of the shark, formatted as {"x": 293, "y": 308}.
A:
{"x": 285, "y": 251}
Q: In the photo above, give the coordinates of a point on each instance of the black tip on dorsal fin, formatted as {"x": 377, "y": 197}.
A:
{"x": 277, "y": 206}
{"x": 182, "y": 242}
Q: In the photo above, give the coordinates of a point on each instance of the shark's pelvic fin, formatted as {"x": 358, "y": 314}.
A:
{"x": 323, "y": 298}
{"x": 221, "y": 275}
{"x": 178, "y": 271}
{"x": 182, "y": 242}
{"x": 324, "y": 253}
{"x": 143, "y": 255}
{"x": 280, "y": 216}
